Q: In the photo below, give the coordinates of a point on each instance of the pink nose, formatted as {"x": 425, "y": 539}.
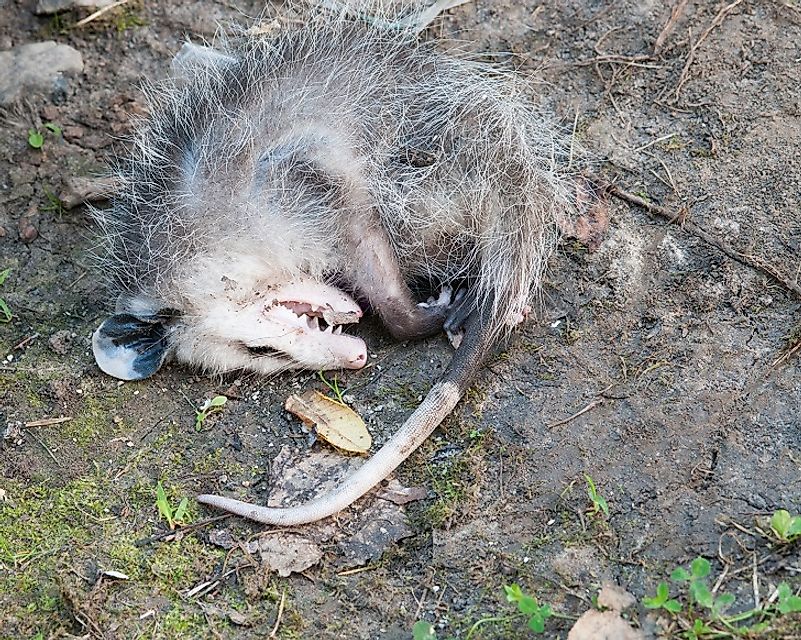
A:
{"x": 357, "y": 361}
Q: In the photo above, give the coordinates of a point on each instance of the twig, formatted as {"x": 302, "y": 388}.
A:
{"x": 46, "y": 422}
{"x": 786, "y": 355}
{"x": 279, "y": 616}
{"x": 183, "y": 530}
{"x": 755, "y": 581}
{"x": 631, "y": 61}
{"x": 589, "y": 407}
{"x": 350, "y": 572}
{"x": 675, "y": 14}
{"x": 691, "y": 227}
{"x": 691, "y": 56}
{"x": 25, "y": 341}
{"x": 657, "y": 141}
{"x": 43, "y": 445}
{"x": 98, "y": 13}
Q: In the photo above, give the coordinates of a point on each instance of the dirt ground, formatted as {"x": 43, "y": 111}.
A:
{"x": 691, "y": 431}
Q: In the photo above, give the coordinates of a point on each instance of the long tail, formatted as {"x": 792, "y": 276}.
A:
{"x": 437, "y": 405}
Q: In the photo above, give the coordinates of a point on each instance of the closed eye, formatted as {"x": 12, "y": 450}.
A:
{"x": 265, "y": 350}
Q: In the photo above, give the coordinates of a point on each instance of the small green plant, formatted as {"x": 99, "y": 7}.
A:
{"x": 787, "y": 601}
{"x": 698, "y": 588}
{"x": 333, "y": 385}
{"x": 786, "y": 527}
{"x": 598, "y": 501}
{"x": 528, "y": 606}
{"x": 701, "y": 614}
{"x": 128, "y": 18}
{"x": 213, "y": 405}
{"x": 662, "y": 600}
{"x": 5, "y": 311}
{"x": 53, "y": 203}
{"x": 36, "y": 138}
{"x": 175, "y": 517}
{"x": 423, "y": 630}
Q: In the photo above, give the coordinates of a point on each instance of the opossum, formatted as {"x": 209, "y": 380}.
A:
{"x": 285, "y": 183}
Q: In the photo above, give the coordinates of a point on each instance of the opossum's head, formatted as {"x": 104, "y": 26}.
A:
{"x": 297, "y": 324}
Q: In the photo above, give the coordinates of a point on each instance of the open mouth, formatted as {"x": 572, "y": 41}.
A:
{"x": 316, "y": 314}
{"x": 321, "y": 318}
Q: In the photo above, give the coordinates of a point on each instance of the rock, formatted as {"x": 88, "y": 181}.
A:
{"x": 603, "y": 625}
{"x": 61, "y": 341}
{"x": 78, "y": 190}
{"x": 222, "y": 538}
{"x": 49, "y": 7}
{"x": 616, "y": 598}
{"x": 38, "y": 65}
{"x": 380, "y": 525}
{"x": 27, "y": 230}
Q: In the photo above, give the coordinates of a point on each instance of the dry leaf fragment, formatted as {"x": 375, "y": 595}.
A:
{"x": 340, "y": 317}
{"x": 116, "y": 575}
{"x": 336, "y": 423}
{"x": 395, "y": 492}
{"x": 286, "y": 553}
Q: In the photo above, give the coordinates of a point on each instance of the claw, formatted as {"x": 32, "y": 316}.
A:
{"x": 444, "y": 299}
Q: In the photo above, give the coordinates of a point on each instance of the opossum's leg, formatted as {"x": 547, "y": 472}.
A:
{"x": 375, "y": 273}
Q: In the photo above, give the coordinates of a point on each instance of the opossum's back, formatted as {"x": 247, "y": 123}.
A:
{"x": 449, "y": 154}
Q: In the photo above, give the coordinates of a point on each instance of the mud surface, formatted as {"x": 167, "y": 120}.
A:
{"x": 668, "y": 343}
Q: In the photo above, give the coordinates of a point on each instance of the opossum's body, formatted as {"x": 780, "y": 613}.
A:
{"x": 285, "y": 176}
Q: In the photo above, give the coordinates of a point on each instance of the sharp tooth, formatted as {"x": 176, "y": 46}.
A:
{"x": 312, "y": 322}
{"x": 329, "y": 328}
{"x": 338, "y": 330}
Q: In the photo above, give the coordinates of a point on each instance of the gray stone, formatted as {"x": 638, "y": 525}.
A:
{"x": 38, "y": 65}
{"x": 49, "y": 7}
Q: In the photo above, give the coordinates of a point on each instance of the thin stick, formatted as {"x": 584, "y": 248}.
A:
{"x": 675, "y": 14}
{"x": 350, "y": 572}
{"x": 46, "y": 422}
{"x": 25, "y": 341}
{"x": 43, "y": 445}
{"x": 755, "y": 580}
{"x": 715, "y": 23}
{"x": 98, "y": 13}
{"x": 657, "y": 141}
{"x": 280, "y": 614}
{"x": 755, "y": 262}
{"x": 631, "y": 61}
{"x": 786, "y": 355}
{"x": 589, "y": 407}
{"x": 182, "y": 530}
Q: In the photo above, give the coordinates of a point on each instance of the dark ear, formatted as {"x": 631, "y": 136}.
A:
{"x": 129, "y": 348}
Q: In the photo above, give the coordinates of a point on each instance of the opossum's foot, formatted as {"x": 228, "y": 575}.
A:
{"x": 518, "y": 317}
{"x": 421, "y": 320}
{"x": 444, "y": 299}
{"x": 462, "y": 306}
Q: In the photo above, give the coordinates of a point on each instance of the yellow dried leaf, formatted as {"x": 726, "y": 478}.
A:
{"x": 336, "y": 423}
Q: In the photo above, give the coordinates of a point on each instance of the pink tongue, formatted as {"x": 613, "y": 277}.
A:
{"x": 298, "y": 308}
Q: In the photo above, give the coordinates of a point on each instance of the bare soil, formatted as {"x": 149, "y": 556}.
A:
{"x": 691, "y": 433}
